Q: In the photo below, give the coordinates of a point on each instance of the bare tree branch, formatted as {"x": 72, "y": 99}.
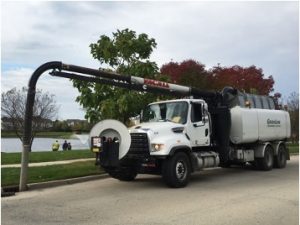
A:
{"x": 13, "y": 107}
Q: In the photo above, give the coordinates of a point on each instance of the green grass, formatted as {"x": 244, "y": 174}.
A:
{"x": 11, "y": 176}
{"x": 293, "y": 148}
{"x": 14, "y": 158}
{"x": 46, "y": 134}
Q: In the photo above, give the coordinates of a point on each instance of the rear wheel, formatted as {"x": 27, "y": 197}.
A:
{"x": 280, "y": 158}
{"x": 176, "y": 170}
{"x": 266, "y": 163}
{"x": 123, "y": 174}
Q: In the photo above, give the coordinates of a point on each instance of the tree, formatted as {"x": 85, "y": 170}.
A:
{"x": 193, "y": 73}
{"x": 125, "y": 53}
{"x": 13, "y": 109}
{"x": 189, "y": 73}
{"x": 248, "y": 79}
{"x": 293, "y": 108}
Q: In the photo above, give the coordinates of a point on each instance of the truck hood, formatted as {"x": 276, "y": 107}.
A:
{"x": 155, "y": 127}
{"x": 167, "y": 134}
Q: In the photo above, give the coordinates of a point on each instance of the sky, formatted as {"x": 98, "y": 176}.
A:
{"x": 264, "y": 34}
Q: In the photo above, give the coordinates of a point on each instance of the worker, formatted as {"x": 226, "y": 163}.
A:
{"x": 55, "y": 146}
{"x": 65, "y": 146}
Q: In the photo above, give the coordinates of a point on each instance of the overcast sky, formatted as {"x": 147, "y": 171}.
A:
{"x": 264, "y": 34}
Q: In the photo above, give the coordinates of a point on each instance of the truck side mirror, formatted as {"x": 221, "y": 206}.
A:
{"x": 141, "y": 115}
{"x": 203, "y": 113}
{"x": 138, "y": 119}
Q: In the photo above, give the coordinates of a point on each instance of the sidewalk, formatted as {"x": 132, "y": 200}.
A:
{"x": 48, "y": 163}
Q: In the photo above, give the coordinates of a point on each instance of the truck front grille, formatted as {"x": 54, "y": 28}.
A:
{"x": 139, "y": 144}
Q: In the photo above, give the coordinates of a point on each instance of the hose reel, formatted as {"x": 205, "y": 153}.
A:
{"x": 112, "y": 139}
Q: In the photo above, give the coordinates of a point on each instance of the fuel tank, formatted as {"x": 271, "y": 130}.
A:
{"x": 250, "y": 125}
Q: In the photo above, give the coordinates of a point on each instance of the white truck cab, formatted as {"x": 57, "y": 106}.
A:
{"x": 175, "y": 124}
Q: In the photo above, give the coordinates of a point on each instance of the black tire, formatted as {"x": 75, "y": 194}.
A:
{"x": 266, "y": 163}
{"x": 124, "y": 174}
{"x": 253, "y": 164}
{"x": 176, "y": 170}
{"x": 280, "y": 158}
{"x": 226, "y": 164}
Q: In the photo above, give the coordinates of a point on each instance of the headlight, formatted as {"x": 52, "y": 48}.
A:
{"x": 157, "y": 147}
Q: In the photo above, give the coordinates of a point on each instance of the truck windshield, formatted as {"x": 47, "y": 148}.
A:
{"x": 171, "y": 111}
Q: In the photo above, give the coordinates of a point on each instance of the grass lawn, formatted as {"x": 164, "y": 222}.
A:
{"x": 11, "y": 176}
{"x": 15, "y": 158}
{"x": 293, "y": 148}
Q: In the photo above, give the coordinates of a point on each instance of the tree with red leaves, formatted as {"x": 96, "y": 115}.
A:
{"x": 188, "y": 73}
{"x": 192, "y": 73}
{"x": 248, "y": 79}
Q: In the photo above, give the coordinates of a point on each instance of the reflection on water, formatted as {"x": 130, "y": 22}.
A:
{"x": 44, "y": 144}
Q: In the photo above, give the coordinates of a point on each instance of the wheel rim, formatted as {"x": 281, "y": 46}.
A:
{"x": 181, "y": 170}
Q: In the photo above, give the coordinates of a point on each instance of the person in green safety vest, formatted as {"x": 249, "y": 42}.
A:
{"x": 55, "y": 146}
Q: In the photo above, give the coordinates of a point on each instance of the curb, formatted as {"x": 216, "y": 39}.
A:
{"x": 56, "y": 183}
{"x": 11, "y": 190}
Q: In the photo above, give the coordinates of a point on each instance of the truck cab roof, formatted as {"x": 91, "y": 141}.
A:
{"x": 179, "y": 100}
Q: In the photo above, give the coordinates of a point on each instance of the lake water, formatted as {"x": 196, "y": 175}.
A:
{"x": 44, "y": 144}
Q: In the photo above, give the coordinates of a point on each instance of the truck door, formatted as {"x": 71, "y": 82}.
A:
{"x": 198, "y": 129}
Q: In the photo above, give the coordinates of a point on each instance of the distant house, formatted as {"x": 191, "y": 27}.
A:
{"x": 78, "y": 125}
{"x": 43, "y": 124}
{"x": 46, "y": 124}
{"x": 74, "y": 122}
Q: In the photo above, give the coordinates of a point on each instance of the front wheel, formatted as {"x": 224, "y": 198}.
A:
{"x": 176, "y": 170}
{"x": 123, "y": 174}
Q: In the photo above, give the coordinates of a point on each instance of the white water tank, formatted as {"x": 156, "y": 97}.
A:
{"x": 251, "y": 125}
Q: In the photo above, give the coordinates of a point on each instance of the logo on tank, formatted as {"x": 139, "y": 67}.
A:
{"x": 273, "y": 123}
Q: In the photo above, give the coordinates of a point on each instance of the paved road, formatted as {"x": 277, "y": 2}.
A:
{"x": 220, "y": 196}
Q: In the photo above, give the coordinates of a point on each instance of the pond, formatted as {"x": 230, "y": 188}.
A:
{"x": 44, "y": 144}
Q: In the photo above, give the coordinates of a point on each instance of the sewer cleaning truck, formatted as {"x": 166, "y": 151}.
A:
{"x": 197, "y": 130}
